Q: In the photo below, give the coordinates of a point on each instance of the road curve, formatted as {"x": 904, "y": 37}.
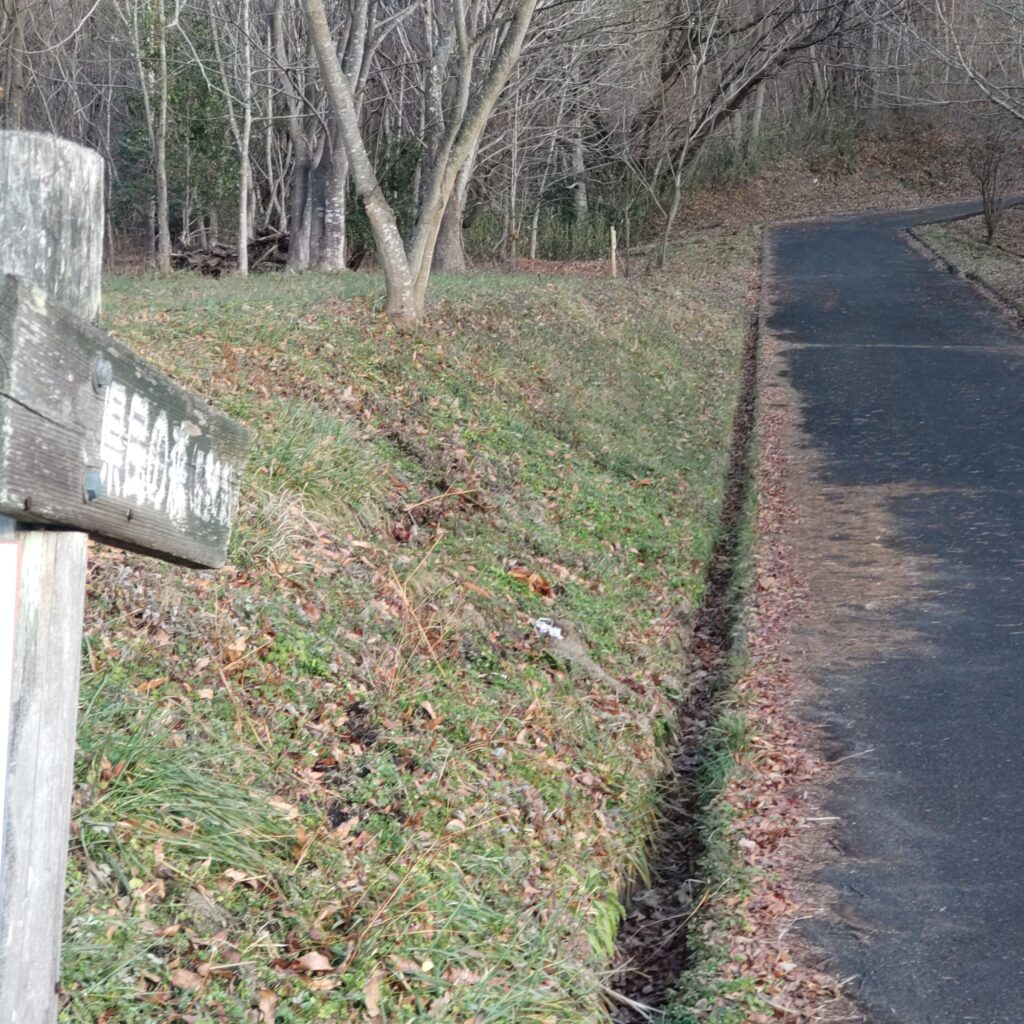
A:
{"x": 910, "y": 389}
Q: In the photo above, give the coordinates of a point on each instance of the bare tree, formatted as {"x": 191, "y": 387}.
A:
{"x": 454, "y": 130}
{"x": 697, "y": 71}
{"x": 988, "y": 153}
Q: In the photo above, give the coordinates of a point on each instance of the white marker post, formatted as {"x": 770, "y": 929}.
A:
{"x": 92, "y": 442}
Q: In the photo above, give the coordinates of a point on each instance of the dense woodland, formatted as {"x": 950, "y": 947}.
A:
{"x": 429, "y": 133}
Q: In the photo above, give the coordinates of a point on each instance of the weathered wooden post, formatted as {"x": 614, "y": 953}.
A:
{"x": 615, "y": 252}
{"x": 92, "y": 441}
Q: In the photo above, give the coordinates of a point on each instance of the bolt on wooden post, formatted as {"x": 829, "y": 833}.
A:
{"x": 92, "y": 442}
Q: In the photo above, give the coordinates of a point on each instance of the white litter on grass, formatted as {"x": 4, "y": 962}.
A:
{"x": 548, "y": 628}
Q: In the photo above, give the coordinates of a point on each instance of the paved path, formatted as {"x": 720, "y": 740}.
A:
{"x": 911, "y": 390}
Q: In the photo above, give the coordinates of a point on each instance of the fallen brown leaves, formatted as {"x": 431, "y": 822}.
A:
{"x": 537, "y": 583}
{"x": 432, "y": 804}
{"x": 776, "y": 824}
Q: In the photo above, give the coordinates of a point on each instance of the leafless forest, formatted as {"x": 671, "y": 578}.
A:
{"x": 420, "y": 131}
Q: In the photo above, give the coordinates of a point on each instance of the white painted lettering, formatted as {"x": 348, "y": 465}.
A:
{"x": 160, "y": 464}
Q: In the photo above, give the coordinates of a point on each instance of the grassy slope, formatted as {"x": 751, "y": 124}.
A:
{"x": 344, "y": 778}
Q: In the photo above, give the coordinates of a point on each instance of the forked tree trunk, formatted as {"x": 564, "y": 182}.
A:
{"x": 401, "y": 301}
{"x": 406, "y": 273}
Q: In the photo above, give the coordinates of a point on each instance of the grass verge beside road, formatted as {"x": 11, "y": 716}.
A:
{"x": 347, "y": 778}
{"x": 998, "y": 269}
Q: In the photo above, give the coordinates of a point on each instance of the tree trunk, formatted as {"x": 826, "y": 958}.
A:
{"x": 739, "y": 132}
{"x": 461, "y": 151}
{"x": 513, "y": 229}
{"x": 408, "y": 271}
{"x": 14, "y": 80}
{"x": 151, "y": 232}
{"x": 580, "y": 203}
{"x": 163, "y": 218}
{"x": 331, "y": 253}
{"x": 758, "y": 113}
{"x": 403, "y": 303}
{"x": 298, "y": 222}
{"x": 450, "y": 247}
{"x": 670, "y": 218}
{"x": 302, "y": 162}
{"x": 244, "y": 140}
{"x": 449, "y": 250}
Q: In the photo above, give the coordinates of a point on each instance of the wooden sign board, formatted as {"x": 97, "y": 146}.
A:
{"x": 93, "y": 439}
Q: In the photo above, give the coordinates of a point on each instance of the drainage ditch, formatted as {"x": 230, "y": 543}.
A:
{"x": 652, "y": 946}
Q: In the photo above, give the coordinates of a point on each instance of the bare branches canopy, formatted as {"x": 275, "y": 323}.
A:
{"x": 422, "y": 134}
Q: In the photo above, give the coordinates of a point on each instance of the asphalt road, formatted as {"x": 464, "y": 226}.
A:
{"x": 911, "y": 389}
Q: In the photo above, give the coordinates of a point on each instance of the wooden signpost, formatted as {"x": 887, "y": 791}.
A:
{"x": 92, "y": 442}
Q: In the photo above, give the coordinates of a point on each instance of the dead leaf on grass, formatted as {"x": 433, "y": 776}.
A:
{"x": 237, "y": 646}
{"x": 403, "y": 966}
{"x": 313, "y": 962}
{"x": 371, "y": 994}
{"x": 151, "y": 684}
{"x": 267, "y": 1006}
{"x": 537, "y": 583}
{"x": 289, "y": 810}
{"x": 185, "y": 979}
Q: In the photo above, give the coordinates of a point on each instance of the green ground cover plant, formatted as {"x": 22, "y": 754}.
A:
{"x": 346, "y": 778}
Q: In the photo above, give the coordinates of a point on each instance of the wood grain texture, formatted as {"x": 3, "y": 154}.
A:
{"x": 43, "y": 705}
{"x": 51, "y": 217}
{"x": 169, "y": 464}
{"x": 51, "y": 221}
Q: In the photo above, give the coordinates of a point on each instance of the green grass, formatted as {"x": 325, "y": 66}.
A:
{"x": 349, "y": 749}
